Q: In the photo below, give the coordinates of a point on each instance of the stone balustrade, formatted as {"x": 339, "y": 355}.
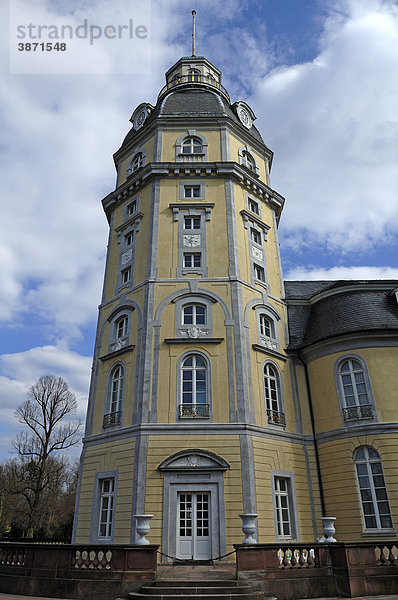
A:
{"x": 92, "y": 572}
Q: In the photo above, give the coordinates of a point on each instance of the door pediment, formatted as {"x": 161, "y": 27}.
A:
{"x": 194, "y": 459}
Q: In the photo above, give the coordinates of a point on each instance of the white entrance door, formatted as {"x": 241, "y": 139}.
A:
{"x": 193, "y": 526}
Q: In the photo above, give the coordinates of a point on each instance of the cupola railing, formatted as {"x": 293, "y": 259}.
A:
{"x": 200, "y": 81}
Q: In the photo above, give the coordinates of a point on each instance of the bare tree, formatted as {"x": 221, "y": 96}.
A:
{"x": 46, "y": 413}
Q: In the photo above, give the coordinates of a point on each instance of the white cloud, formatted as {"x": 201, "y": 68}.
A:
{"x": 19, "y": 371}
{"x": 333, "y": 124}
{"x": 363, "y": 273}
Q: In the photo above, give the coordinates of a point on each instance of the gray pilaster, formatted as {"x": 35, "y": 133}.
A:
{"x": 248, "y": 479}
{"x": 139, "y": 479}
{"x": 245, "y": 414}
{"x": 225, "y": 147}
{"x": 278, "y": 253}
{"x": 157, "y": 154}
{"x": 79, "y": 484}
{"x": 233, "y": 261}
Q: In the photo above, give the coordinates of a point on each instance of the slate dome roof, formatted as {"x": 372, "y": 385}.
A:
{"x": 355, "y": 308}
{"x": 194, "y": 103}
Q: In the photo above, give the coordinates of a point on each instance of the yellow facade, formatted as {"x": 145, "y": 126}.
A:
{"x": 214, "y": 393}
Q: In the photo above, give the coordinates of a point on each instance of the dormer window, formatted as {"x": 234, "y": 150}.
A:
{"x": 137, "y": 162}
{"x": 191, "y": 147}
{"x": 248, "y": 160}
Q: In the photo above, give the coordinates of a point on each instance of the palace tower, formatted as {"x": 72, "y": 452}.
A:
{"x": 202, "y": 406}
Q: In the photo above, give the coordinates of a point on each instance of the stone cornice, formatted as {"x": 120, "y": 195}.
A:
{"x": 342, "y": 343}
{"x": 199, "y": 340}
{"x": 231, "y": 170}
{"x": 117, "y": 352}
{"x": 357, "y": 430}
{"x": 202, "y": 122}
{"x": 191, "y": 428}
{"x": 269, "y": 352}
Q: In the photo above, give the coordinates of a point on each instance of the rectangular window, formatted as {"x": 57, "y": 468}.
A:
{"x": 191, "y": 191}
{"x": 106, "y": 507}
{"x": 282, "y": 507}
{"x": 192, "y": 223}
{"x": 132, "y": 208}
{"x": 126, "y": 275}
{"x": 255, "y": 236}
{"x": 253, "y": 206}
{"x": 128, "y": 239}
{"x": 192, "y": 260}
{"x": 259, "y": 272}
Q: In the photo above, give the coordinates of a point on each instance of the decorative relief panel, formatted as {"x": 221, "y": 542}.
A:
{"x": 257, "y": 253}
{"x": 191, "y": 240}
{"x": 126, "y": 256}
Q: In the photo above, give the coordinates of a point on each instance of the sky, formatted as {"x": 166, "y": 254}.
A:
{"x": 321, "y": 77}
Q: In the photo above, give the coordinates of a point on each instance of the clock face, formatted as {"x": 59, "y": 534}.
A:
{"x": 139, "y": 119}
{"x": 245, "y": 118}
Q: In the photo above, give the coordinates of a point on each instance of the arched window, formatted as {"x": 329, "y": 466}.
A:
{"x": 138, "y": 162}
{"x": 122, "y": 327}
{"x": 267, "y": 326}
{"x": 372, "y": 489}
{"x": 115, "y": 397}
{"x": 194, "y": 387}
{"x": 355, "y": 391}
{"x": 117, "y": 389}
{"x": 273, "y": 396}
{"x": 248, "y": 160}
{"x": 194, "y": 314}
{"x": 194, "y": 75}
{"x": 192, "y": 145}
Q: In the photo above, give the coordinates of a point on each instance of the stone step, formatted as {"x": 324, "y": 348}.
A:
{"x": 196, "y": 582}
{"x": 213, "y": 596}
{"x": 179, "y": 590}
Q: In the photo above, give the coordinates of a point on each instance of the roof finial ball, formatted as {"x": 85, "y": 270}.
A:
{"x": 193, "y": 33}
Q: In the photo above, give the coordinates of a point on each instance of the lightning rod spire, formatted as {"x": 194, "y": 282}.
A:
{"x": 193, "y": 33}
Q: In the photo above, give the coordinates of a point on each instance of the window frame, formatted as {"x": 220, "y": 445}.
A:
{"x": 356, "y": 414}
{"x": 136, "y": 154}
{"x": 113, "y": 414}
{"x": 183, "y": 185}
{"x": 274, "y": 417}
{"x": 183, "y": 330}
{"x": 368, "y": 461}
{"x": 115, "y": 342}
{"x": 96, "y": 507}
{"x": 288, "y": 476}
{"x": 192, "y": 157}
{"x": 243, "y": 153}
{"x": 259, "y": 273}
{"x": 268, "y": 312}
{"x": 131, "y": 208}
{"x": 206, "y": 414}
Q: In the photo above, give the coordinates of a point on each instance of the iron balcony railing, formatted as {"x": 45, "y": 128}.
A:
{"x": 276, "y": 418}
{"x": 194, "y": 411}
{"x": 194, "y": 80}
{"x": 364, "y": 411}
{"x": 113, "y": 418}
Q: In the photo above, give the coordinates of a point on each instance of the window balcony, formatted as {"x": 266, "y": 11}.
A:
{"x": 276, "y": 418}
{"x": 113, "y": 418}
{"x": 353, "y": 413}
{"x": 194, "y": 411}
